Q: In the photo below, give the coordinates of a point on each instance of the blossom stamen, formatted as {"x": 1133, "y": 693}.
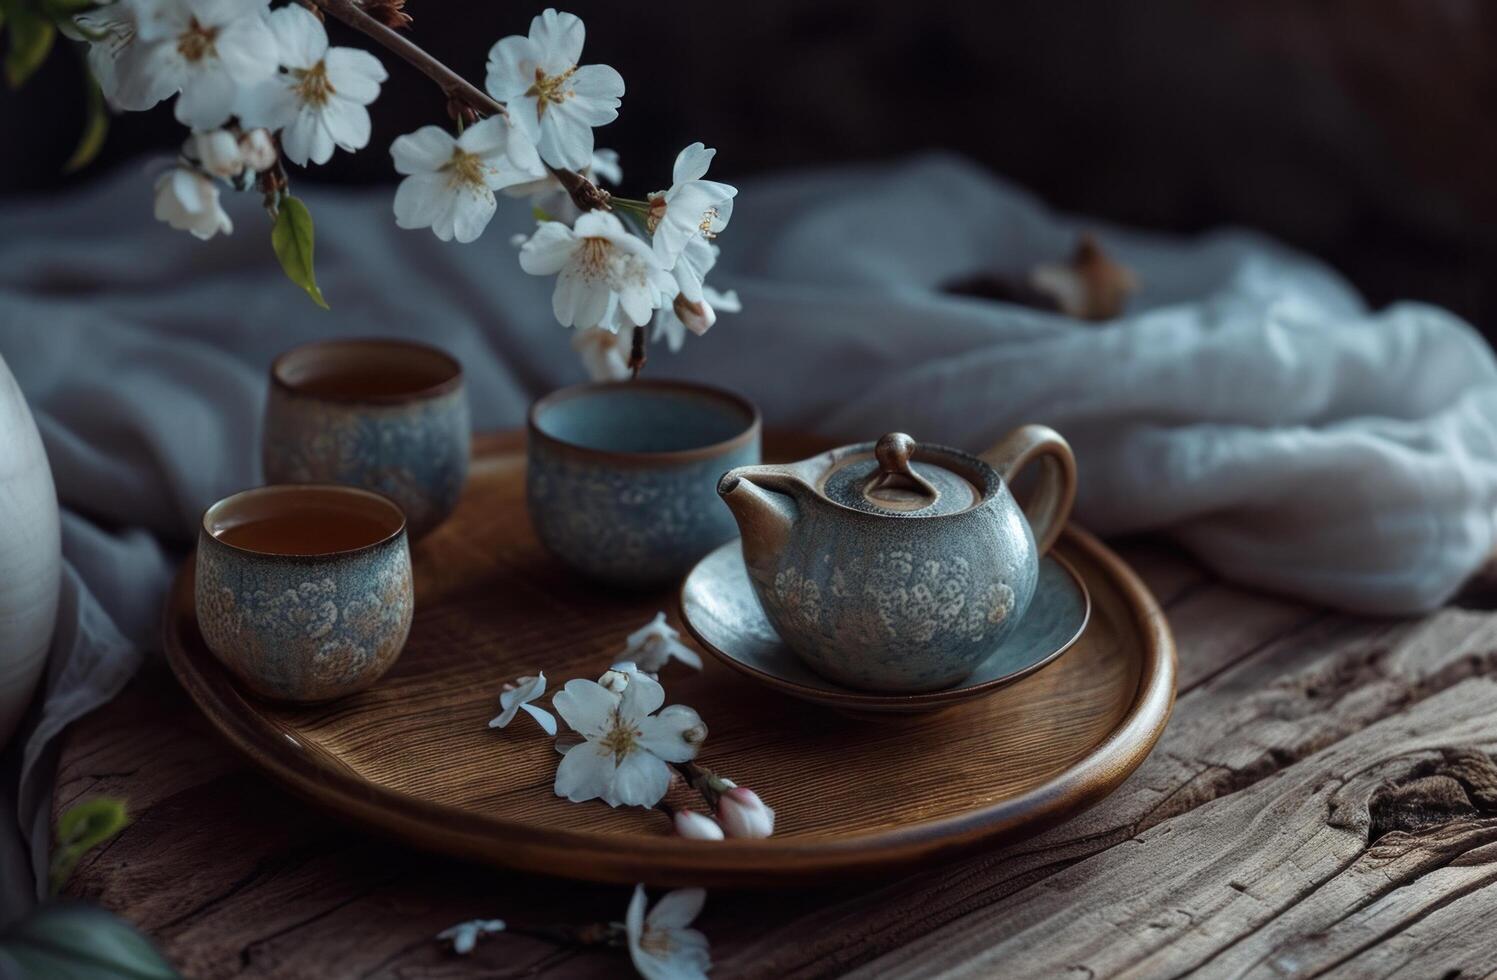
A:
{"x": 465, "y": 169}
{"x": 312, "y": 84}
{"x": 196, "y": 43}
{"x": 709, "y": 218}
{"x": 550, "y": 88}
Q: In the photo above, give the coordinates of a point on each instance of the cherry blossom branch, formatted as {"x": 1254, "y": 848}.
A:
{"x": 584, "y": 193}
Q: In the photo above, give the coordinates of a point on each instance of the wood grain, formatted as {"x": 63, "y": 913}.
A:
{"x": 412, "y": 756}
{"x": 239, "y": 879}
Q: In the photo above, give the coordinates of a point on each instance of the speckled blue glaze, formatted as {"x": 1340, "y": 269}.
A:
{"x": 621, "y": 477}
{"x": 413, "y": 450}
{"x": 304, "y": 628}
{"x": 720, "y": 608}
{"x": 888, "y": 602}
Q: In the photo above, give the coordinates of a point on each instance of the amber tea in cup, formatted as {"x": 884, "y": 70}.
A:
{"x": 304, "y": 591}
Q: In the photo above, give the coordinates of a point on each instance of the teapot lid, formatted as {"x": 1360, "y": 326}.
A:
{"x": 899, "y": 479}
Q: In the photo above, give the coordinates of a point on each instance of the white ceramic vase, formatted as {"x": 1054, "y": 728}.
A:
{"x": 30, "y": 555}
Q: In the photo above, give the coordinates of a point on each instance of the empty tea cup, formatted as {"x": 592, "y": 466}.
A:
{"x": 304, "y": 591}
{"x": 621, "y": 476}
{"x": 385, "y": 415}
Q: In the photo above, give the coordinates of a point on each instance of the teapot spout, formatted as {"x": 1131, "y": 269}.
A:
{"x": 763, "y": 500}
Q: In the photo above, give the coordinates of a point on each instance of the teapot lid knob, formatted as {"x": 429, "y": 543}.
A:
{"x": 896, "y": 485}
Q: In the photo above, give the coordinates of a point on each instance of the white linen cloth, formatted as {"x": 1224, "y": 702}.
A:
{"x": 1248, "y": 403}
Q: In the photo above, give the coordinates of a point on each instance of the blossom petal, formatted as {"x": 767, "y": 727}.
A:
{"x": 301, "y": 40}
{"x": 423, "y": 201}
{"x": 471, "y": 210}
{"x": 664, "y": 734}
{"x": 692, "y": 163}
{"x": 586, "y": 706}
{"x": 561, "y": 142}
{"x": 543, "y": 717}
{"x": 426, "y": 150}
{"x": 354, "y": 74}
{"x": 270, "y": 104}
{"x": 558, "y": 38}
{"x": 511, "y": 69}
{"x": 639, "y": 780}
{"x": 548, "y": 250}
{"x": 677, "y": 909}
{"x": 586, "y": 771}
{"x": 207, "y": 100}
{"x": 219, "y": 13}
{"x": 597, "y": 89}
{"x": 144, "y": 74}
{"x": 642, "y": 697}
{"x": 588, "y": 302}
{"x": 247, "y": 50}
{"x": 347, "y": 123}
{"x": 306, "y": 138}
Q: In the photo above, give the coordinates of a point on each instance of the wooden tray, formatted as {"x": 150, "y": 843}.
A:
{"x": 412, "y": 757}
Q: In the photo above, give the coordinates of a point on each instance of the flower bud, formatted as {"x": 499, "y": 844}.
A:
{"x": 695, "y": 735}
{"x": 616, "y": 678}
{"x": 218, "y": 152}
{"x": 698, "y": 317}
{"x": 258, "y": 149}
{"x": 743, "y": 814}
{"x": 696, "y": 826}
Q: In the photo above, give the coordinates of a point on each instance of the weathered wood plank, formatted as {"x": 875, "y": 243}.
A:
{"x": 1233, "y": 883}
{"x": 1297, "y": 695}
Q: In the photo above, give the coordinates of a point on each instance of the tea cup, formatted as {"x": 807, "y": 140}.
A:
{"x": 621, "y": 476}
{"x": 304, "y": 591}
{"x": 386, "y": 415}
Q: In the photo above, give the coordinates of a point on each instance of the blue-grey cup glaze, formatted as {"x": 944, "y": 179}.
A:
{"x": 407, "y": 441}
{"x": 621, "y": 476}
{"x": 304, "y": 628}
{"x": 889, "y": 602}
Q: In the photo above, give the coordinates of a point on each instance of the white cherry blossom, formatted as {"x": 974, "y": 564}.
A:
{"x": 465, "y": 935}
{"x": 692, "y": 209}
{"x": 603, "y": 272}
{"x": 258, "y": 149}
{"x": 661, "y": 943}
{"x": 656, "y": 643}
{"x": 556, "y": 101}
{"x": 319, "y": 101}
{"x": 623, "y": 758}
{"x": 188, "y": 201}
{"x": 451, "y": 182}
{"x": 517, "y": 697}
{"x": 206, "y": 50}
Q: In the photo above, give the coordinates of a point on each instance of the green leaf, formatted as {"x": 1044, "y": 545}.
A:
{"x": 31, "y": 37}
{"x": 292, "y": 240}
{"x": 95, "y": 127}
{"x": 540, "y": 214}
{"x": 79, "y": 942}
{"x": 80, "y": 829}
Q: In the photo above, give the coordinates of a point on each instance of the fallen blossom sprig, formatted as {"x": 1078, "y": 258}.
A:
{"x": 661, "y": 943}
{"x": 260, "y": 86}
{"x": 517, "y": 697}
{"x": 656, "y": 644}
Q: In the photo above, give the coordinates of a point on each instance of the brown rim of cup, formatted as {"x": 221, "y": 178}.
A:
{"x": 450, "y": 382}
{"x": 722, "y": 395}
{"x": 390, "y": 507}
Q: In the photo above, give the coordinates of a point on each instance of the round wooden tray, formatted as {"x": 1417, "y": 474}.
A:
{"x": 412, "y": 756}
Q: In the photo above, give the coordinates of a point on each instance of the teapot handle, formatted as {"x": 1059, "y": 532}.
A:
{"x": 1050, "y": 504}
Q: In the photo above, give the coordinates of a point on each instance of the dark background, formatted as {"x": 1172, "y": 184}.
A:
{"x": 1360, "y": 130}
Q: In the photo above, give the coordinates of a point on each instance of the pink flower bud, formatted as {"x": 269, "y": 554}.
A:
{"x": 696, "y": 826}
{"x": 743, "y": 814}
{"x": 258, "y": 149}
{"x": 698, "y": 317}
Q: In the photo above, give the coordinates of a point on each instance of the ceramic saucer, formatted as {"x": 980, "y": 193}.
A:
{"x": 720, "y": 609}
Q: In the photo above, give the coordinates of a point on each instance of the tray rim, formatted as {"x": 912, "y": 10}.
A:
{"x": 671, "y": 861}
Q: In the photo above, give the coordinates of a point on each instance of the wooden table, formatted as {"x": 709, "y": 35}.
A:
{"x": 1323, "y": 803}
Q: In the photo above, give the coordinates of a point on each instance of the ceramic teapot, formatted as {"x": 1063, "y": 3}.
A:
{"x": 899, "y": 567}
